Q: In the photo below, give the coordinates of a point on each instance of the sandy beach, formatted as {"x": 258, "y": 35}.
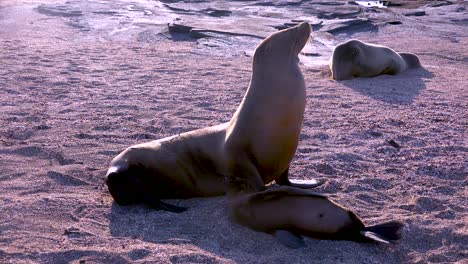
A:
{"x": 82, "y": 80}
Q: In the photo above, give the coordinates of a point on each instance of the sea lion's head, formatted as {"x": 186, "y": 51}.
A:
{"x": 123, "y": 185}
{"x": 283, "y": 46}
{"x": 344, "y": 63}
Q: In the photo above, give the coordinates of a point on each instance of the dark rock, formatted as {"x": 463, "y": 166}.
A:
{"x": 197, "y": 34}
{"x": 350, "y": 26}
{"x": 311, "y": 54}
{"x": 390, "y": 3}
{"x": 217, "y": 13}
{"x": 177, "y": 28}
{"x": 439, "y": 3}
{"x": 416, "y": 13}
{"x": 393, "y": 143}
{"x": 42, "y": 127}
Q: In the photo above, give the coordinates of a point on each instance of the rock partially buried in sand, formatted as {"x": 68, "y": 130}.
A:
{"x": 355, "y": 58}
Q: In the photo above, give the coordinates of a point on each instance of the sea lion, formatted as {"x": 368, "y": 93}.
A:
{"x": 355, "y": 58}
{"x": 257, "y": 143}
{"x": 288, "y": 213}
{"x": 263, "y": 134}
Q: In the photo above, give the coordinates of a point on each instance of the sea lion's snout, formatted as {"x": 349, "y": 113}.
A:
{"x": 304, "y": 28}
{"x": 303, "y": 31}
{"x": 120, "y": 186}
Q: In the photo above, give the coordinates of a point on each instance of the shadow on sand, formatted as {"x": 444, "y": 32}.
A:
{"x": 206, "y": 236}
{"x": 195, "y": 228}
{"x": 394, "y": 89}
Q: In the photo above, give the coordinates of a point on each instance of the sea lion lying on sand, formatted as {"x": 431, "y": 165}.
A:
{"x": 355, "y": 58}
{"x": 258, "y": 142}
{"x": 289, "y": 213}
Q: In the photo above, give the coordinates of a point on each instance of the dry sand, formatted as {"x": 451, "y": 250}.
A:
{"x": 69, "y": 102}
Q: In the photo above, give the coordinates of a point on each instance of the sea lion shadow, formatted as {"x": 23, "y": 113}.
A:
{"x": 206, "y": 226}
{"x": 203, "y": 225}
{"x": 394, "y": 89}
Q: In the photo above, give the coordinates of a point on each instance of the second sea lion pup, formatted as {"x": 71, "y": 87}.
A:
{"x": 355, "y": 58}
{"x": 263, "y": 134}
{"x": 289, "y": 213}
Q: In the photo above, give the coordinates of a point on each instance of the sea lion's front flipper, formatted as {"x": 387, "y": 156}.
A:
{"x": 160, "y": 205}
{"x": 283, "y": 179}
{"x": 289, "y": 239}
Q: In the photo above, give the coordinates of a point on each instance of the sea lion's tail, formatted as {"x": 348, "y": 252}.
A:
{"x": 411, "y": 60}
{"x": 385, "y": 232}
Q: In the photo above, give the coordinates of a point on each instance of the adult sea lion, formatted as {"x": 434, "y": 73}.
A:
{"x": 258, "y": 143}
{"x": 263, "y": 134}
{"x": 288, "y": 213}
{"x": 355, "y": 58}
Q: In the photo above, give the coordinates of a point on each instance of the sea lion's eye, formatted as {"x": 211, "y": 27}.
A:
{"x": 320, "y": 215}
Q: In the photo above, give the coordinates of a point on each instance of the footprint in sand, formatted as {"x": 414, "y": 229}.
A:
{"x": 429, "y": 204}
{"x": 447, "y": 214}
{"x": 75, "y": 232}
{"x": 20, "y": 134}
{"x": 377, "y": 184}
{"x": 79, "y": 213}
{"x": 138, "y": 254}
{"x": 455, "y": 174}
{"x": 64, "y": 179}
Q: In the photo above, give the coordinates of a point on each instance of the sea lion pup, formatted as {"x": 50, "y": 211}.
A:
{"x": 288, "y": 213}
{"x": 355, "y": 58}
{"x": 258, "y": 142}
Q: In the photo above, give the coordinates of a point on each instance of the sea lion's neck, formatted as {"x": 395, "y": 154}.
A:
{"x": 283, "y": 79}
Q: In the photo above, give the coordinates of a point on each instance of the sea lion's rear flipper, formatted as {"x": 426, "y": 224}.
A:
{"x": 160, "y": 205}
{"x": 411, "y": 60}
{"x": 374, "y": 237}
{"x": 283, "y": 179}
{"x": 385, "y": 232}
{"x": 289, "y": 239}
